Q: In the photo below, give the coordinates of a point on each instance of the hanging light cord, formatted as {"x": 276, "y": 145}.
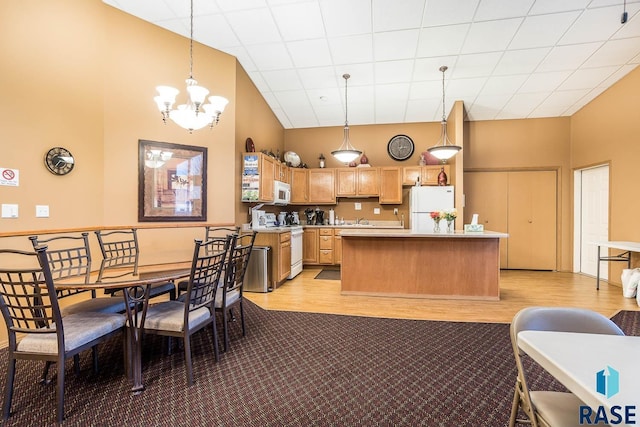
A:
{"x": 191, "y": 44}
{"x": 346, "y": 104}
{"x": 443, "y": 69}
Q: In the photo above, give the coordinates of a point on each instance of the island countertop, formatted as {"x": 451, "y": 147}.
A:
{"x": 372, "y": 232}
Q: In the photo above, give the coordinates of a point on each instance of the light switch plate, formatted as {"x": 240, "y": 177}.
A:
{"x": 376, "y": 211}
{"x": 9, "y": 211}
{"x": 358, "y": 206}
{"x": 42, "y": 211}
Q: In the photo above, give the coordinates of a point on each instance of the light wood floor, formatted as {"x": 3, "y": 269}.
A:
{"x": 518, "y": 289}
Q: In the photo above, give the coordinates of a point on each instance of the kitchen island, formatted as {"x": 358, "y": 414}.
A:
{"x": 426, "y": 265}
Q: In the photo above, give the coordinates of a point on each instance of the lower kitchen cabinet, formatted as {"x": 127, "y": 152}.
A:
{"x": 310, "y": 246}
{"x": 337, "y": 247}
{"x": 280, "y": 244}
{"x": 325, "y": 244}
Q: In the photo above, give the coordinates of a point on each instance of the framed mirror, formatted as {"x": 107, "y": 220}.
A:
{"x": 172, "y": 182}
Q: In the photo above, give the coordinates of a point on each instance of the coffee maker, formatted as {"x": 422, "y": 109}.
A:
{"x": 310, "y": 215}
{"x": 319, "y": 217}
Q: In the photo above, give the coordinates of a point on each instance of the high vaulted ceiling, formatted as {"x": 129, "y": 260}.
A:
{"x": 507, "y": 59}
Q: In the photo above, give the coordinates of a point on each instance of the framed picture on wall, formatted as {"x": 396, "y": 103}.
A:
{"x": 172, "y": 182}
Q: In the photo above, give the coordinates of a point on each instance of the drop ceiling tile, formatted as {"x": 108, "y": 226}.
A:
{"x": 487, "y": 107}
{"x": 393, "y": 71}
{"x": 361, "y": 74}
{"x": 270, "y": 56}
{"x": 346, "y": 18}
{"x": 231, "y": 5}
{"x": 359, "y": 114}
{"x": 398, "y": 92}
{"x": 622, "y": 71}
{"x": 426, "y": 90}
{"x": 544, "y": 82}
{"x": 593, "y": 25}
{"x": 463, "y": 88}
{"x": 299, "y": 21}
{"x": 615, "y": 52}
{"x": 213, "y": 30}
{"x": 521, "y": 105}
{"x": 632, "y": 27}
{"x": 183, "y": 9}
{"x": 449, "y": 12}
{"x": 303, "y": 119}
{"x": 359, "y": 95}
{"x": 282, "y": 117}
{"x": 502, "y": 9}
{"x": 442, "y": 41}
{"x": 270, "y": 98}
{"x": 523, "y": 61}
{"x": 149, "y": 10}
{"x": 503, "y": 85}
{"x": 326, "y": 97}
{"x": 541, "y": 7}
{"x": 292, "y": 100}
{"x": 560, "y": 100}
{"x": 254, "y": 26}
{"x": 351, "y": 49}
{"x": 319, "y": 77}
{"x": 279, "y": 80}
{"x": 426, "y": 69}
{"x": 542, "y": 30}
{"x": 329, "y": 115}
{"x": 397, "y": 15}
{"x": 310, "y": 53}
{"x": 242, "y": 56}
{"x": 423, "y": 110}
{"x": 395, "y": 45}
{"x": 474, "y": 65}
{"x": 587, "y": 78}
{"x": 568, "y": 57}
{"x": 490, "y": 36}
{"x": 256, "y": 78}
{"x": 179, "y": 26}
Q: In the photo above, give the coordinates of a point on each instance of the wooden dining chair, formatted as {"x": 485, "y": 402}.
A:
{"x": 551, "y": 408}
{"x": 195, "y": 309}
{"x": 36, "y": 328}
{"x": 230, "y": 296}
{"x": 120, "y": 256}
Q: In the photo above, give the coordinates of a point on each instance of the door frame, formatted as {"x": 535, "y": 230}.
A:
{"x": 577, "y": 211}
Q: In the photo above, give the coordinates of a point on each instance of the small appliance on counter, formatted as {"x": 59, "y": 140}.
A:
{"x": 310, "y": 215}
{"x": 282, "y": 218}
{"x": 270, "y": 220}
{"x": 258, "y": 219}
{"x": 296, "y": 218}
{"x": 319, "y": 217}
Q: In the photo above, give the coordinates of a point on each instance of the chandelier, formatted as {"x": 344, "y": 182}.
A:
{"x": 444, "y": 149}
{"x": 156, "y": 158}
{"x": 194, "y": 114}
{"x": 347, "y": 152}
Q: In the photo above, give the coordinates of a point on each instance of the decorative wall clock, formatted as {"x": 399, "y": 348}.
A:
{"x": 59, "y": 161}
{"x": 400, "y": 147}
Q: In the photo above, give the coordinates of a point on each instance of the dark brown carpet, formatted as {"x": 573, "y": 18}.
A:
{"x": 296, "y": 369}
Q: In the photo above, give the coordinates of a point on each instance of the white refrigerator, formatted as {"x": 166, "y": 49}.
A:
{"x": 427, "y": 199}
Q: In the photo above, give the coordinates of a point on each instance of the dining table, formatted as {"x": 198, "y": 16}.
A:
{"x": 578, "y": 359}
{"x": 135, "y": 291}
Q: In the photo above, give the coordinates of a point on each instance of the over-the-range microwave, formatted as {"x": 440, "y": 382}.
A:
{"x": 281, "y": 193}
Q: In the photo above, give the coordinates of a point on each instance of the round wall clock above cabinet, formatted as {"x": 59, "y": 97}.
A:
{"x": 400, "y": 147}
{"x": 59, "y": 161}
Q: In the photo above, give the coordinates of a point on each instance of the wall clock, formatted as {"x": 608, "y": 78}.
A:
{"x": 59, "y": 161}
{"x": 400, "y": 147}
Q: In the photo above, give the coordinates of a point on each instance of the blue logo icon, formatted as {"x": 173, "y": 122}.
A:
{"x": 608, "y": 382}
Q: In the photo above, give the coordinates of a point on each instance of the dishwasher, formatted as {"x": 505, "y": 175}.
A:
{"x": 258, "y": 275}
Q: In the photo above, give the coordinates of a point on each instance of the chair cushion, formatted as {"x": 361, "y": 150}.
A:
{"x": 100, "y": 305}
{"x": 557, "y": 408}
{"x": 232, "y": 298}
{"x": 79, "y": 329}
{"x": 169, "y": 316}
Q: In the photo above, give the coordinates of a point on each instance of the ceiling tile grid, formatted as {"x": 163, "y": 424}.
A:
{"x": 507, "y": 59}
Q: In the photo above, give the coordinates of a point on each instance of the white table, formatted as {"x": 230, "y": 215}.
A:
{"x": 575, "y": 358}
{"x": 625, "y": 256}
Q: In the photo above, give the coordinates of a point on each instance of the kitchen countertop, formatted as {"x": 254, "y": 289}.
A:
{"x": 372, "y": 224}
{"x": 368, "y": 232}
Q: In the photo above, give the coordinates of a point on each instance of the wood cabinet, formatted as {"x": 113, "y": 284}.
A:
{"x": 281, "y": 172}
{"x": 310, "y": 246}
{"x": 357, "y": 182}
{"x": 321, "y": 186}
{"x": 266, "y": 170}
{"x": 325, "y": 246}
{"x": 523, "y": 204}
{"x": 264, "y": 167}
{"x": 390, "y": 185}
{"x": 428, "y": 174}
{"x": 280, "y": 244}
{"x": 299, "y": 185}
{"x": 337, "y": 247}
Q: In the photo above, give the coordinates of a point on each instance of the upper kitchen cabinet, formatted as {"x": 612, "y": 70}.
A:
{"x": 322, "y": 186}
{"x": 390, "y": 185}
{"x": 299, "y": 186}
{"x": 428, "y": 174}
{"x": 281, "y": 172}
{"x": 257, "y": 177}
{"x": 357, "y": 182}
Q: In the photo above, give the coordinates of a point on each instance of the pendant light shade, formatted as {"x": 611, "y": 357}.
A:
{"x": 347, "y": 152}
{"x": 444, "y": 149}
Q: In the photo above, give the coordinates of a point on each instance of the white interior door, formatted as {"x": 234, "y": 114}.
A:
{"x": 592, "y": 217}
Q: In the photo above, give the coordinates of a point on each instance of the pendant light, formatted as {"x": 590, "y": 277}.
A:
{"x": 194, "y": 114}
{"x": 347, "y": 152}
{"x": 444, "y": 149}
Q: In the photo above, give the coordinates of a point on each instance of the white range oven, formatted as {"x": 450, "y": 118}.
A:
{"x": 296, "y": 250}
